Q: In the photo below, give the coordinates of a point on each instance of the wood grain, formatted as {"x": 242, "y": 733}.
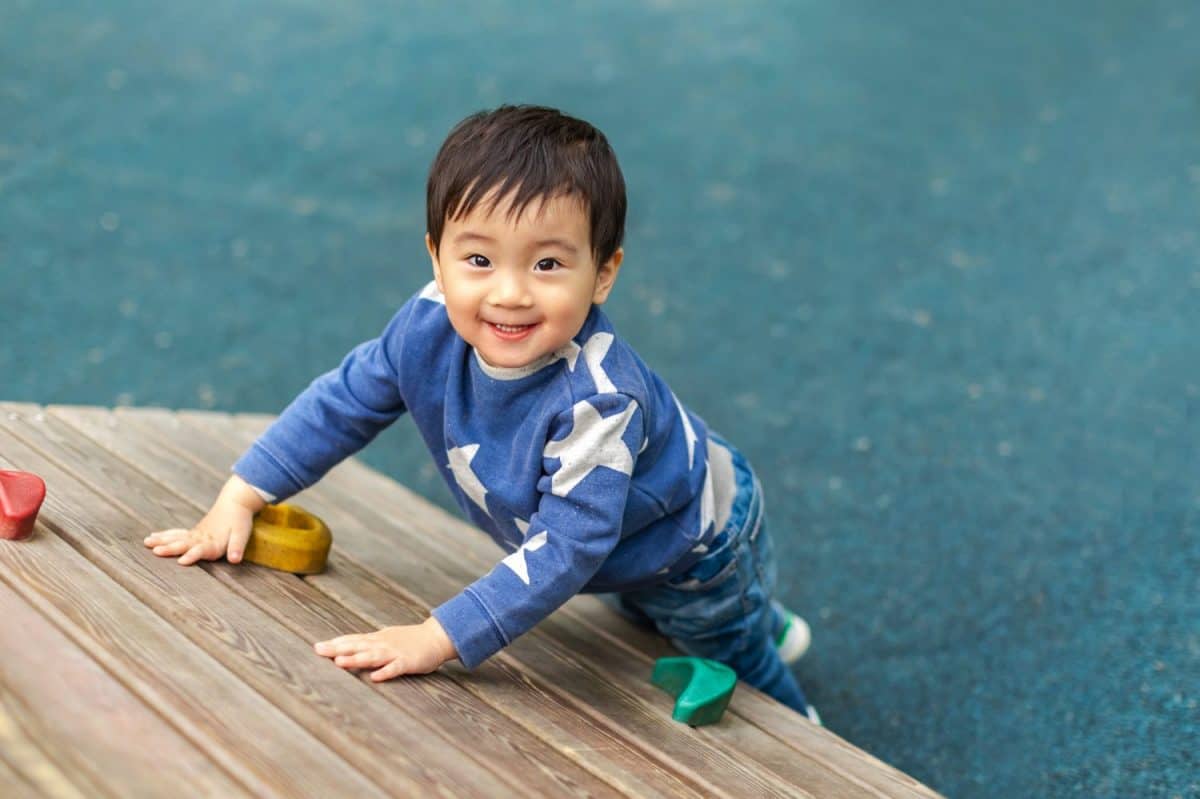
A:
{"x": 17, "y": 786}
{"x": 538, "y": 715}
{"x": 397, "y": 751}
{"x": 497, "y": 742}
{"x": 813, "y": 749}
{"x": 47, "y": 680}
{"x": 566, "y": 709}
{"x": 608, "y": 688}
{"x": 236, "y": 728}
{"x": 33, "y": 769}
{"x": 530, "y": 695}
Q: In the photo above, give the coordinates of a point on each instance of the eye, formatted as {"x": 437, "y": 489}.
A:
{"x": 547, "y": 265}
{"x": 478, "y": 260}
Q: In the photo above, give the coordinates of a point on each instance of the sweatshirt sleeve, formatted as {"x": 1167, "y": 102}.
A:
{"x": 588, "y": 464}
{"x": 338, "y": 414}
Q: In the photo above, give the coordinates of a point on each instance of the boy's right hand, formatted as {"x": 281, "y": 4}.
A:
{"x": 225, "y": 529}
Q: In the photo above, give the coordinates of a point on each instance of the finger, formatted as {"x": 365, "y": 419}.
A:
{"x": 363, "y": 660}
{"x": 342, "y": 645}
{"x": 238, "y": 537}
{"x": 171, "y": 548}
{"x": 347, "y": 648}
{"x": 393, "y": 669}
{"x": 194, "y": 554}
{"x": 162, "y": 536}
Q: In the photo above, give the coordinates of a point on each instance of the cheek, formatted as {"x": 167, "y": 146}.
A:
{"x": 564, "y": 311}
{"x": 460, "y": 308}
{"x": 570, "y": 299}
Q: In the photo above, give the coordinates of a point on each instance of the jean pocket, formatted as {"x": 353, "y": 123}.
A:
{"x": 717, "y": 566}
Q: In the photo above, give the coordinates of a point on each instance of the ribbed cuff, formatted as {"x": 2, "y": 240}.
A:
{"x": 261, "y": 469}
{"x": 265, "y": 496}
{"x": 474, "y": 634}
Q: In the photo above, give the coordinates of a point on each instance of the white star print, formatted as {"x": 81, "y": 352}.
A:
{"x": 593, "y": 441}
{"x": 594, "y": 350}
{"x": 522, "y": 528}
{"x": 707, "y": 506}
{"x": 569, "y": 351}
{"x": 460, "y": 464}
{"x": 516, "y": 561}
{"x": 688, "y": 431}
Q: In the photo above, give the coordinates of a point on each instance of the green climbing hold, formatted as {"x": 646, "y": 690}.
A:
{"x": 702, "y": 688}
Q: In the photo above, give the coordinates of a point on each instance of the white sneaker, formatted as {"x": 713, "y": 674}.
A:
{"x": 813, "y": 715}
{"x": 794, "y": 639}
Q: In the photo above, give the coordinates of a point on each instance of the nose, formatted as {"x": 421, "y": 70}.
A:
{"x": 508, "y": 290}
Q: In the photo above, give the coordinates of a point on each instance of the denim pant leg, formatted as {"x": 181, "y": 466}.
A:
{"x": 720, "y": 608}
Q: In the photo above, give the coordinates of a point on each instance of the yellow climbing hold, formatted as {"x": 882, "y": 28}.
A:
{"x": 289, "y": 539}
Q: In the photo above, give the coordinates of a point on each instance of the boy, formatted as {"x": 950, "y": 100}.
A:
{"x": 554, "y": 437}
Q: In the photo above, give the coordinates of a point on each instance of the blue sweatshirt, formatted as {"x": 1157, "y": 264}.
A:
{"x": 583, "y": 465}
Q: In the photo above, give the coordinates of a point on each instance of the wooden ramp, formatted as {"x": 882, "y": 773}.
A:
{"x": 125, "y": 674}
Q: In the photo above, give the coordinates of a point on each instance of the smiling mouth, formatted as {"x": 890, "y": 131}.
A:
{"x": 511, "y": 332}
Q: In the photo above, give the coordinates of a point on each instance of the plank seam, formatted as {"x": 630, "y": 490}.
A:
{"x": 682, "y": 772}
{"x": 138, "y": 687}
{"x": 510, "y": 781}
{"x": 125, "y": 510}
{"x": 829, "y": 768}
{"x": 883, "y": 771}
{"x": 555, "y": 650}
{"x": 66, "y": 767}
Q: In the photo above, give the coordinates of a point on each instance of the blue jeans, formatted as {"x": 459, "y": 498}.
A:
{"x": 720, "y": 608}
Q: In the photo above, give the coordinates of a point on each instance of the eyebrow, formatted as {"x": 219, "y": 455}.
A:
{"x": 468, "y": 236}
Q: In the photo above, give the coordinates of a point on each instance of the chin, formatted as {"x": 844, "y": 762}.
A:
{"x": 508, "y": 362}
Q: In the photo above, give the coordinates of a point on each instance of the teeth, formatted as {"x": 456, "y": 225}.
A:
{"x": 510, "y": 328}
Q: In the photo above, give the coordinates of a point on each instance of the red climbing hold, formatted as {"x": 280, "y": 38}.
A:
{"x": 21, "y": 495}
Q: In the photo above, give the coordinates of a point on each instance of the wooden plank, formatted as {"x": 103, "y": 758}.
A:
{"x": 763, "y": 743}
{"x": 597, "y": 617}
{"x": 554, "y": 673}
{"x": 501, "y": 745}
{"x": 48, "y": 680}
{"x": 505, "y": 747}
{"x": 537, "y": 712}
{"x": 16, "y": 786}
{"x": 404, "y": 754}
{"x": 233, "y": 725}
{"x": 614, "y": 684}
{"x": 32, "y": 769}
{"x": 603, "y": 631}
{"x": 763, "y": 711}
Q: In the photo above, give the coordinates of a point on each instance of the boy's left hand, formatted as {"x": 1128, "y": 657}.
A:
{"x": 405, "y": 649}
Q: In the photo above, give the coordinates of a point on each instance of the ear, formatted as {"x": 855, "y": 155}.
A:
{"x": 606, "y": 276}
{"x": 437, "y": 269}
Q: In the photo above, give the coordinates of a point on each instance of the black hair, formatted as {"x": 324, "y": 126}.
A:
{"x": 534, "y": 153}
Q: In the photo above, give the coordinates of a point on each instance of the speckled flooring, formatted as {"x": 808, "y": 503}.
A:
{"x": 936, "y": 271}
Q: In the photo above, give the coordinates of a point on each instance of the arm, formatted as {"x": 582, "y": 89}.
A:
{"x": 589, "y": 461}
{"x": 588, "y": 465}
{"x": 334, "y": 417}
{"x": 337, "y": 415}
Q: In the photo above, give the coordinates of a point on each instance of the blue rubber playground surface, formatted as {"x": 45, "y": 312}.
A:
{"x": 935, "y": 270}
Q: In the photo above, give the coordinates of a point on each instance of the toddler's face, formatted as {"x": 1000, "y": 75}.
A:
{"x": 518, "y": 290}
